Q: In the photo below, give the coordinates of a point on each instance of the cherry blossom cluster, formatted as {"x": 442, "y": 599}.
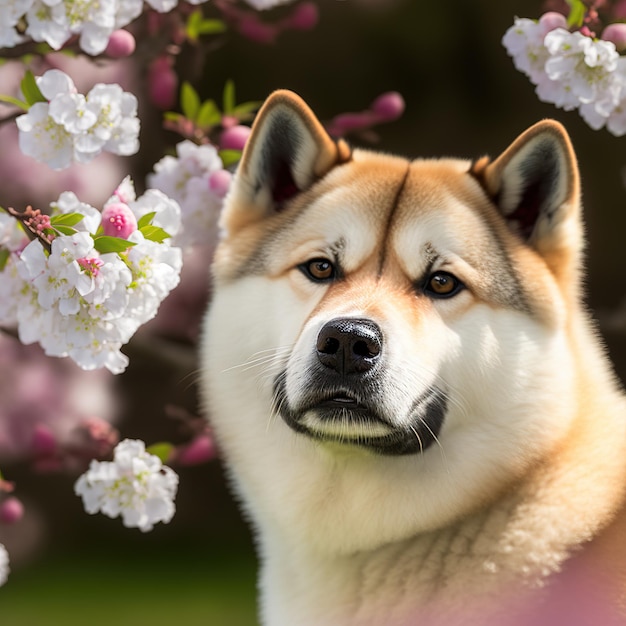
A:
{"x": 197, "y": 180}
{"x": 69, "y": 126}
{"x": 57, "y": 21}
{"x": 571, "y": 70}
{"x": 88, "y": 280}
{"x": 135, "y": 485}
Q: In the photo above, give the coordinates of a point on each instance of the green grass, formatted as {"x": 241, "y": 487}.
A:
{"x": 186, "y": 589}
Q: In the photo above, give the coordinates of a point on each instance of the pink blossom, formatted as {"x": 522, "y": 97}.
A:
{"x": 388, "y": 106}
{"x": 118, "y": 220}
{"x": 162, "y": 83}
{"x": 200, "y": 450}
{"x": 235, "y": 137}
{"x": 551, "y": 20}
{"x": 219, "y": 182}
{"x": 616, "y": 33}
{"x": 44, "y": 443}
{"x": 121, "y": 44}
{"x": 11, "y": 510}
{"x": 305, "y": 16}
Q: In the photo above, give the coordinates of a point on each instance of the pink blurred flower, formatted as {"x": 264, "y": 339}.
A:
{"x": 552, "y": 20}
{"x": 305, "y": 16}
{"x": 121, "y": 44}
{"x": 163, "y": 82}
{"x": 616, "y": 33}
{"x": 44, "y": 400}
{"x": 11, "y": 510}
{"x": 235, "y": 137}
{"x": 388, "y": 106}
{"x": 199, "y": 450}
{"x": 219, "y": 182}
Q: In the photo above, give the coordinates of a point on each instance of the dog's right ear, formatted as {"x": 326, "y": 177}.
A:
{"x": 286, "y": 153}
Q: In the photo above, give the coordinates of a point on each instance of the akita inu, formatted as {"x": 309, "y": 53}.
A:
{"x": 415, "y": 410}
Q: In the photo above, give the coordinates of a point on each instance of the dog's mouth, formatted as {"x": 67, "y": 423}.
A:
{"x": 343, "y": 416}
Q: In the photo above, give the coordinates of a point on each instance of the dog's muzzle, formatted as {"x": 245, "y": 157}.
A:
{"x": 343, "y": 398}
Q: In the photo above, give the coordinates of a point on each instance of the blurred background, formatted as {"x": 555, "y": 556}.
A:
{"x": 463, "y": 98}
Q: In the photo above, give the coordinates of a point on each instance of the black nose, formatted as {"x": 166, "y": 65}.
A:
{"x": 349, "y": 345}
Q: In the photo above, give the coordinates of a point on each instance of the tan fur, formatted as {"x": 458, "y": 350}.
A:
{"x": 514, "y": 514}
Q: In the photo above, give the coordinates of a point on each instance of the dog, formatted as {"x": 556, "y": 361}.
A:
{"x": 415, "y": 410}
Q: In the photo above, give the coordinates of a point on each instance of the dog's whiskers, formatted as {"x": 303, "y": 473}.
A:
{"x": 260, "y": 358}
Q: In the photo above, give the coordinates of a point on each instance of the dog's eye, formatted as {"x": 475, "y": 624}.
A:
{"x": 442, "y": 285}
{"x": 319, "y": 270}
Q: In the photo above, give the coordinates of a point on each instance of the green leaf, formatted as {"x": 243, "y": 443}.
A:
{"x": 4, "y": 257}
{"x": 189, "y": 101}
{"x": 155, "y": 233}
{"x": 145, "y": 220}
{"x": 162, "y": 449}
{"x": 208, "y": 115}
{"x": 15, "y": 102}
{"x": 31, "y": 91}
{"x": 211, "y": 27}
{"x": 104, "y": 244}
{"x": 172, "y": 116}
{"x": 577, "y": 13}
{"x": 192, "y": 29}
{"x": 229, "y": 157}
{"x": 64, "y": 230}
{"x": 245, "y": 110}
{"x": 66, "y": 219}
{"x": 197, "y": 25}
{"x": 229, "y": 98}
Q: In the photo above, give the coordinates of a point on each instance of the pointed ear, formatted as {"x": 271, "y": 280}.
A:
{"x": 288, "y": 150}
{"x": 535, "y": 184}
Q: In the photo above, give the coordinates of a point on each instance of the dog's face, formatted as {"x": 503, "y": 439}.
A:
{"x": 384, "y": 351}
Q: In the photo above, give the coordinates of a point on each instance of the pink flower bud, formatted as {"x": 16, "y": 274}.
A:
{"x": 11, "y": 510}
{"x": 234, "y": 138}
{"x": 162, "y": 83}
{"x": 388, "y": 106}
{"x": 615, "y": 33}
{"x": 118, "y": 220}
{"x": 44, "y": 442}
{"x": 551, "y": 21}
{"x": 304, "y": 17}
{"x": 347, "y": 122}
{"x": 255, "y": 30}
{"x": 219, "y": 182}
{"x": 121, "y": 44}
{"x": 200, "y": 450}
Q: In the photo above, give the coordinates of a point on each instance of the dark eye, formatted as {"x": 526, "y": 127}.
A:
{"x": 442, "y": 285}
{"x": 319, "y": 270}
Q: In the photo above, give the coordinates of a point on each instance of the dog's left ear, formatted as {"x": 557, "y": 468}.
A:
{"x": 288, "y": 150}
{"x": 535, "y": 185}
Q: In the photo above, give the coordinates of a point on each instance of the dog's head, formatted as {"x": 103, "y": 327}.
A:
{"x": 385, "y": 347}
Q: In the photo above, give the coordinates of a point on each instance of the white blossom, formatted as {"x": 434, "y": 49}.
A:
{"x": 572, "y": 71}
{"x": 135, "y": 485}
{"x": 4, "y": 565}
{"x": 185, "y": 178}
{"x": 41, "y": 138}
{"x": 75, "y": 127}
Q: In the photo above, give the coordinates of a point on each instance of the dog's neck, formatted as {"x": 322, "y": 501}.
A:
{"x": 521, "y": 563}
